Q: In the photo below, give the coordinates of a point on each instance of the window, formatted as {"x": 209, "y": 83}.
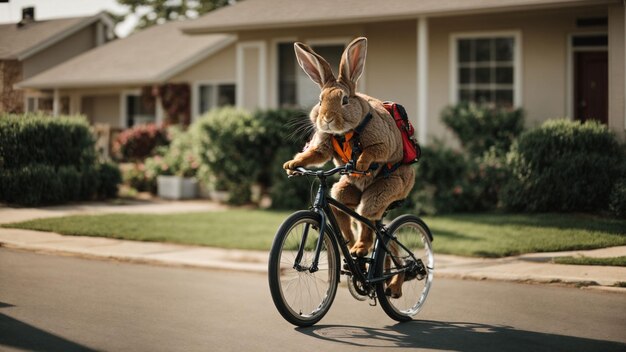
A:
{"x": 295, "y": 88}
{"x": 485, "y": 69}
{"x": 215, "y": 95}
{"x": 140, "y": 110}
{"x": 44, "y": 103}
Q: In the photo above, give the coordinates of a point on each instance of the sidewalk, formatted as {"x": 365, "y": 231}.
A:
{"x": 534, "y": 268}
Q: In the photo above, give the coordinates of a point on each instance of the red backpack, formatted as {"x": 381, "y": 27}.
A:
{"x": 411, "y": 149}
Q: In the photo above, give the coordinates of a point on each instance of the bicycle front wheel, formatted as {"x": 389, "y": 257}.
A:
{"x": 410, "y": 254}
{"x": 303, "y": 297}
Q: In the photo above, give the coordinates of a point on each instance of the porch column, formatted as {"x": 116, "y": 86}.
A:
{"x": 617, "y": 69}
{"x": 160, "y": 114}
{"x": 56, "y": 103}
{"x": 422, "y": 79}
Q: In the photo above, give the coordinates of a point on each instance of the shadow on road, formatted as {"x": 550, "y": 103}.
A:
{"x": 456, "y": 336}
{"x": 19, "y": 335}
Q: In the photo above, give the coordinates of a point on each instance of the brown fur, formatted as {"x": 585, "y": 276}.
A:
{"x": 381, "y": 143}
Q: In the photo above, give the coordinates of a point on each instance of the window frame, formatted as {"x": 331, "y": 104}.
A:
{"x": 195, "y": 95}
{"x": 124, "y": 107}
{"x": 328, "y": 41}
{"x": 517, "y": 61}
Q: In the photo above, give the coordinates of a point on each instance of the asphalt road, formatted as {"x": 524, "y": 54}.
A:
{"x": 56, "y": 303}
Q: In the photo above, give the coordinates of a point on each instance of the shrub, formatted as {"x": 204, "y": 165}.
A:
{"x": 280, "y": 129}
{"x": 139, "y": 142}
{"x": 288, "y": 193}
{"x": 563, "y": 166}
{"x": 482, "y": 127}
{"x": 109, "y": 177}
{"x": 227, "y": 144}
{"x": 59, "y": 141}
{"x": 49, "y": 161}
{"x": 617, "y": 200}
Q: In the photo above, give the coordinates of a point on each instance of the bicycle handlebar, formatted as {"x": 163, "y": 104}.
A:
{"x": 343, "y": 169}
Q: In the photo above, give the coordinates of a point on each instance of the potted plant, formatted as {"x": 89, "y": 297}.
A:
{"x": 176, "y": 169}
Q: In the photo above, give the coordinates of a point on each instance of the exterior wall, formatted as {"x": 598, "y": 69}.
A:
{"x": 391, "y": 69}
{"x": 544, "y": 57}
{"x": 218, "y": 67}
{"x": 60, "y": 52}
{"x": 617, "y": 70}
{"x": 102, "y": 109}
{"x": 10, "y": 100}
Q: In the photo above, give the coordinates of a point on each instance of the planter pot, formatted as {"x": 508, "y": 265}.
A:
{"x": 176, "y": 187}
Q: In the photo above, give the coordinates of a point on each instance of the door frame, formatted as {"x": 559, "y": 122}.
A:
{"x": 571, "y": 51}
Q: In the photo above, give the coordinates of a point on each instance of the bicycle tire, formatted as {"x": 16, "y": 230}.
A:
{"x": 295, "y": 292}
{"x": 413, "y": 233}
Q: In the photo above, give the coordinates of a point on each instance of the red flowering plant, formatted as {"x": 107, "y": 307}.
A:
{"x": 178, "y": 159}
{"x": 139, "y": 142}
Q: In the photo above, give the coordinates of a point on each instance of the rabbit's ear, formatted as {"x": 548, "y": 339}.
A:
{"x": 353, "y": 61}
{"x": 314, "y": 65}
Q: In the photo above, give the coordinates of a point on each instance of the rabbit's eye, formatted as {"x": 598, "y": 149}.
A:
{"x": 344, "y": 101}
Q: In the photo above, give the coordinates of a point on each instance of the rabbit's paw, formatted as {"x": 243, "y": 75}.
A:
{"x": 360, "y": 249}
{"x": 291, "y": 165}
{"x": 394, "y": 286}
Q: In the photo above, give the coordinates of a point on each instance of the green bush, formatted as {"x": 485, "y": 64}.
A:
{"x": 237, "y": 149}
{"x": 482, "y": 127}
{"x": 563, "y": 166}
{"x": 62, "y": 167}
{"x": 227, "y": 143}
{"x": 36, "y": 139}
{"x": 109, "y": 177}
{"x": 288, "y": 193}
{"x": 617, "y": 199}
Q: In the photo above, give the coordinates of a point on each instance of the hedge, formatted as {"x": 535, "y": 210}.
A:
{"x": 59, "y": 141}
{"x": 564, "y": 166}
{"x": 47, "y": 160}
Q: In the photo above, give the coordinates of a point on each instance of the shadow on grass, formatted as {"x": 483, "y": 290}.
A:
{"x": 559, "y": 221}
{"x": 22, "y": 336}
{"x": 456, "y": 336}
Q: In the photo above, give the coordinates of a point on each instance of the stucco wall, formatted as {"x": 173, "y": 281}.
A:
{"x": 69, "y": 47}
{"x": 103, "y": 109}
{"x": 617, "y": 70}
{"x": 218, "y": 67}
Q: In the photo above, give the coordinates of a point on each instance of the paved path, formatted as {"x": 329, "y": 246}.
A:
{"x": 56, "y": 303}
{"x": 534, "y": 267}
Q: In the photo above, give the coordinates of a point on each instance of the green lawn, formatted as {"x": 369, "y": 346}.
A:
{"x": 484, "y": 235}
{"x": 613, "y": 261}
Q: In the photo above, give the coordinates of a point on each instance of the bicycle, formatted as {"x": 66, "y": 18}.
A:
{"x": 304, "y": 263}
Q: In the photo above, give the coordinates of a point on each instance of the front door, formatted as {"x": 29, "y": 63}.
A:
{"x": 591, "y": 79}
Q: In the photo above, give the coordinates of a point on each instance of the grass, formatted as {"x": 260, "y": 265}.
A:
{"x": 481, "y": 235}
{"x": 613, "y": 261}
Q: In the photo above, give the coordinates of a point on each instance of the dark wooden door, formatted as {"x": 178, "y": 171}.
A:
{"x": 591, "y": 86}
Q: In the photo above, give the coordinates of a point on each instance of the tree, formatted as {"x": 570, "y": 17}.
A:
{"x": 151, "y": 12}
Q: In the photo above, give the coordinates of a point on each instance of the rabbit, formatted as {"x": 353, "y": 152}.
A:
{"x": 340, "y": 110}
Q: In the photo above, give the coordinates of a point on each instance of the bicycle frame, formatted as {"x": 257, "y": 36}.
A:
{"x": 322, "y": 206}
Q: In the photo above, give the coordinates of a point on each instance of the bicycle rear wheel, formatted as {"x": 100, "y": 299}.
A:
{"x": 302, "y": 297}
{"x": 417, "y": 264}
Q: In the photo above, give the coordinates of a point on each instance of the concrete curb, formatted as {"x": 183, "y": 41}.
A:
{"x": 512, "y": 269}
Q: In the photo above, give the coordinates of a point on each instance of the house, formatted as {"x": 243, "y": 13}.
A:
{"x": 118, "y": 84}
{"x": 30, "y": 47}
{"x": 554, "y": 58}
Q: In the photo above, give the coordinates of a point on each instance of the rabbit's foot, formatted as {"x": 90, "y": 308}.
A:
{"x": 360, "y": 248}
{"x": 394, "y": 288}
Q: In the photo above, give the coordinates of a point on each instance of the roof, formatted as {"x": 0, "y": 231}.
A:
{"x": 21, "y": 42}
{"x": 149, "y": 56}
{"x": 266, "y": 14}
